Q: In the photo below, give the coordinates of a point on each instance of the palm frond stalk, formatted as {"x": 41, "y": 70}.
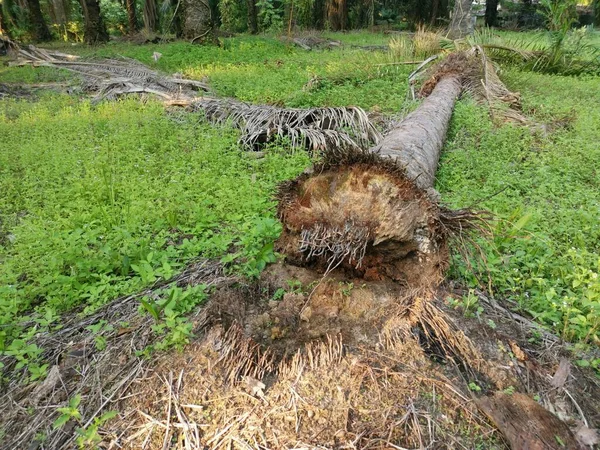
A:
{"x": 316, "y": 129}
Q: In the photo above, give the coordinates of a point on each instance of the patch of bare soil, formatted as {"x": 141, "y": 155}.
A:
{"x": 353, "y": 364}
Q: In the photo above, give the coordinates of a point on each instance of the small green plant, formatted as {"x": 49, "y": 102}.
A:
{"x": 98, "y": 329}
{"x": 346, "y": 288}
{"x": 509, "y": 390}
{"x": 68, "y": 412}
{"x": 468, "y": 303}
{"x": 256, "y": 248}
{"x": 169, "y": 312}
{"x": 474, "y": 387}
{"x": 279, "y": 293}
{"x": 88, "y": 437}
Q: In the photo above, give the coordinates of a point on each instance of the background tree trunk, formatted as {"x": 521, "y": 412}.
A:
{"x": 252, "y": 16}
{"x": 60, "y": 11}
{"x": 197, "y": 21}
{"x": 94, "y": 29}
{"x": 39, "y": 29}
{"x": 434, "y": 12}
{"x": 131, "y": 16}
{"x": 462, "y": 23}
{"x": 3, "y": 25}
{"x": 491, "y": 12}
{"x": 150, "y": 16}
{"x": 337, "y": 14}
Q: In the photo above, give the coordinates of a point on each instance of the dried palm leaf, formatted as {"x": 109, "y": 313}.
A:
{"x": 315, "y": 128}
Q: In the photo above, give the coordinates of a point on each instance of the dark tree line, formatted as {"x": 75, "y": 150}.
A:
{"x": 197, "y": 19}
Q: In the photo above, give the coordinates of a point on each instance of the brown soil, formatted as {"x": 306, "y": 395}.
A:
{"x": 342, "y": 364}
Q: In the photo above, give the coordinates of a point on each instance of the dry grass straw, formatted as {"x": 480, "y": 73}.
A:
{"x": 78, "y": 367}
{"x": 326, "y": 395}
{"x": 422, "y": 44}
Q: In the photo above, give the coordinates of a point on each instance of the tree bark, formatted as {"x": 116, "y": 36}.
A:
{"x": 150, "y": 16}
{"x": 375, "y": 212}
{"x": 491, "y": 12}
{"x": 462, "y": 22}
{"x": 434, "y": 12}
{"x": 416, "y": 143}
{"x": 3, "y": 27}
{"x": 337, "y": 14}
{"x": 131, "y": 16}
{"x": 197, "y": 21}
{"x": 252, "y": 16}
{"x": 60, "y": 12}
{"x": 39, "y": 29}
{"x": 94, "y": 31}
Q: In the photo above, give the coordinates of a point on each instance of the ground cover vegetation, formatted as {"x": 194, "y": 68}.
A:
{"x": 105, "y": 199}
{"x": 90, "y": 224}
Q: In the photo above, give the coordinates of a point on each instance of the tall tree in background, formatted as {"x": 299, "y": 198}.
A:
{"x": 337, "y": 14}
{"x": 462, "y": 22}
{"x": 491, "y": 13}
{"x": 197, "y": 21}
{"x": 39, "y": 29}
{"x": 3, "y": 24}
{"x": 252, "y": 16}
{"x": 94, "y": 29}
{"x": 131, "y": 16}
{"x": 150, "y": 16}
{"x": 60, "y": 11}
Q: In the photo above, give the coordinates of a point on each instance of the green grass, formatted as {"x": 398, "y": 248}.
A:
{"x": 93, "y": 198}
{"x": 546, "y": 191}
{"x": 101, "y": 201}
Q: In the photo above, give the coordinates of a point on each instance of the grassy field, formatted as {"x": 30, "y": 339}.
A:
{"x": 100, "y": 201}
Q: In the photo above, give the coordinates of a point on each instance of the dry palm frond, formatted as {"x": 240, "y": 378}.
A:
{"x": 310, "y": 42}
{"x": 480, "y": 79}
{"x": 110, "y": 78}
{"x": 80, "y": 366}
{"x": 315, "y": 128}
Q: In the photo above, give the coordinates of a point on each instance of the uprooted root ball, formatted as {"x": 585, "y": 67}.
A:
{"x": 364, "y": 217}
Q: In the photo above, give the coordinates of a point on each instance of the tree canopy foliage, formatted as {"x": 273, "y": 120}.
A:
{"x": 93, "y": 21}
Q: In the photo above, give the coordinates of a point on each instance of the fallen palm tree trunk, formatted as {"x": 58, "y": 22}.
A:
{"x": 376, "y": 210}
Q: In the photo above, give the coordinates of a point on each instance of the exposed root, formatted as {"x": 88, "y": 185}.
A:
{"x": 337, "y": 245}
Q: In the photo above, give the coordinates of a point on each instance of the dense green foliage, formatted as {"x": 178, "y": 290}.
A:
{"x": 544, "y": 187}
{"x": 101, "y": 201}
